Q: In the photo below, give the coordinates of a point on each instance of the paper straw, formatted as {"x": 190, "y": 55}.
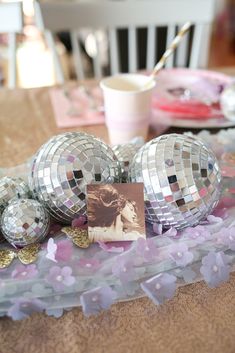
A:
{"x": 184, "y": 29}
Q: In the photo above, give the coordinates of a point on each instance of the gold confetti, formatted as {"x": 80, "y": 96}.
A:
{"x": 78, "y": 236}
{"x": 6, "y": 257}
{"x": 26, "y": 255}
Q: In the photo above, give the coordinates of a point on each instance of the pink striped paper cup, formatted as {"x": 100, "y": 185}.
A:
{"x": 127, "y": 104}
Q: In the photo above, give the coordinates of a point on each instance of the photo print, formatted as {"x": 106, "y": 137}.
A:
{"x": 115, "y": 212}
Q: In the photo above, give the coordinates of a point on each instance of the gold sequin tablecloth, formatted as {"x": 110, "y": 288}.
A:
{"x": 197, "y": 319}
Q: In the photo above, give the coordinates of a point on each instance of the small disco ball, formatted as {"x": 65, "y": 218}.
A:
{"x": 24, "y": 222}
{"x": 12, "y": 188}
{"x": 181, "y": 180}
{"x": 125, "y": 154}
{"x": 64, "y": 166}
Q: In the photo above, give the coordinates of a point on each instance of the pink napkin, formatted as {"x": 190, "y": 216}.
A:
{"x": 77, "y": 106}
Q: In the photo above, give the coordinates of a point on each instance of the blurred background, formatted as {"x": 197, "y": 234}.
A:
{"x": 34, "y": 60}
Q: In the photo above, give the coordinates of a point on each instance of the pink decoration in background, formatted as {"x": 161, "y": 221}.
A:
{"x": 63, "y": 103}
{"x": 189, "y": 94}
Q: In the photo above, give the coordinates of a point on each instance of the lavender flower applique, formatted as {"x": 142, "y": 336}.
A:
{"x": 199, "y": 234}
{"x": 215, "y": 268}
{"x": 180, "y": 254}
{"x": 60, "y": 278}
{"x": 23, "y": 308}
{"x": 226, "y": 236}
{"x": 147, "y": 249}
{"x": 55, "y": 312}
{"x": 22, "y": 272}
{"x": 160, "y": 288}
{"x": 123, "y": 269}
{"x": 88, "y": 266}
{"x": 97, "y": 299}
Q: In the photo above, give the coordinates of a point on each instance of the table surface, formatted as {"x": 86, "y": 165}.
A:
{"x": 197, "y": 319}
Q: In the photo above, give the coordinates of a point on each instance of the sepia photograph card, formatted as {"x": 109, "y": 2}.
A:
{"x": 115, "y": 212}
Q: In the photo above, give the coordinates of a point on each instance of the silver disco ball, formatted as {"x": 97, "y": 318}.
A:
{"x": 24, "y": 222}
{"x": 125, "y": 154}
{"x": 181, "y": 180}
{"x": 64, "y": 166}
{"x": 12, "y": 188}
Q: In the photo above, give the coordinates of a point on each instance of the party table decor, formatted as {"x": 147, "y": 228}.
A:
{"x": 65, "y": 275}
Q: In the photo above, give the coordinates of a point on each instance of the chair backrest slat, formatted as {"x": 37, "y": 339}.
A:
{"x": 170, "y": 37}
{"x": 182, "y": 50}
{"x": 195, "y": 52}
{"x": 114, "y": 52}
{"x": 151, "y": 48}
{"x": 132, "y": 50}
{"x": 97, "y": 59}
{"x": 74, "y": 35}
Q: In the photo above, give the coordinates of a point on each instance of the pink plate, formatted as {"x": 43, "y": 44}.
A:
{"x": 189, "y": 94}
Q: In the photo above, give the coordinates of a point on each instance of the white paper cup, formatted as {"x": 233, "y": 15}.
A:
{"x": 127, "y": 105}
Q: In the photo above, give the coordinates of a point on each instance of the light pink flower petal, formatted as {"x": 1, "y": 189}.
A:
{"x": 64, "y": 250}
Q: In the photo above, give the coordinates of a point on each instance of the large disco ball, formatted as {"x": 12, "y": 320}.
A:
{"x": 64, "y": 166}
{"x": 181, "y": 180}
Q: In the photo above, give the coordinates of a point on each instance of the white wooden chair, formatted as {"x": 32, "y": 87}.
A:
{"x": 112, "y": 15}
{"x": 11, "y": 22}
